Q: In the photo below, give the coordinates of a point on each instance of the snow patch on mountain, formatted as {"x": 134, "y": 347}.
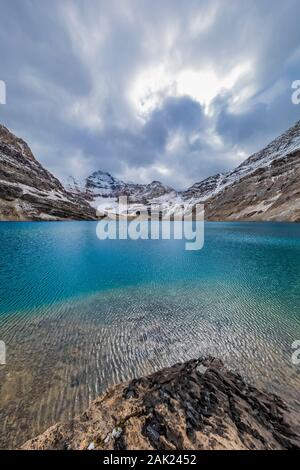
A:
{"x": 102, "y": 190}
{"x": 284, "y": 145}
{"x": 102, "y": 185}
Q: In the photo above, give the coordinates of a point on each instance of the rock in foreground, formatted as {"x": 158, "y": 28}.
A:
{"x": 195, "y": 405}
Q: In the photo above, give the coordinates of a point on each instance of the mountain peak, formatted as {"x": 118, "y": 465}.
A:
{"x": 30, "y": 192}
{"x": 101, "y": 184}
{"x": 15, "y": 143}
{"x": 100, "y": 173}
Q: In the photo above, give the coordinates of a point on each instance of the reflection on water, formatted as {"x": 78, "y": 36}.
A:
{"x": 238, "y": 299}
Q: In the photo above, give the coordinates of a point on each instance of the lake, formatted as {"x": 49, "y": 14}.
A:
{"x": 78, "y": 314}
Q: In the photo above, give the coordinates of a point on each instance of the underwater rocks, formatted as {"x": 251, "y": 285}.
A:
{"x": 195, "y": 405}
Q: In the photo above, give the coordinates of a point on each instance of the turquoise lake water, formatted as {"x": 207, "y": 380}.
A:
{"x": 78, "y": 314}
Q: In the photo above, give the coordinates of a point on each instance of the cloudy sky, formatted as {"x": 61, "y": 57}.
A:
{"x": 174, "y": 90}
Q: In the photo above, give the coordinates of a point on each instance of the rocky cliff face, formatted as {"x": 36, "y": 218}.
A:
{"x": 271, "y": 192}
{"x": 265, "y": 187}
{"x": 28, "y": 191}
{"x": 196, "y": 405}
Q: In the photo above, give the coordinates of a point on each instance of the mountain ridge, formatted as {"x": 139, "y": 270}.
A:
{"x": 103, "y": 184}
{"x": 263, "y": 187}
{"x": 30, "y": 192}
{"x": 283, "y": 145}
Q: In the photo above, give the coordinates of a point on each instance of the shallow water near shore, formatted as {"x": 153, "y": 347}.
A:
{"x": 78, "y": 314}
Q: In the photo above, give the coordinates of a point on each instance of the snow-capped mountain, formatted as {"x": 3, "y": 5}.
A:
{"x": 74, "y": 186}
{"x": 101, "y": 186}
{"x": 148, "y": 192}
{"x": 204, "y": 189}
{"x": 264, "y": 187}
{"x": 262, "y": 162}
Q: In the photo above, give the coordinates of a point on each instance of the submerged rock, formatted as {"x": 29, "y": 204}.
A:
{"x": 195, "y": 405}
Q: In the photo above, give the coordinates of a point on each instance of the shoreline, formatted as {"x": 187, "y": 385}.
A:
{"x": 196, "y": 405}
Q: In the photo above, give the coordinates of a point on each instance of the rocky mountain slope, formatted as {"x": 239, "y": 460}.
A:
{"x": 196, "y": 405}
{"x": 265, "y": 187}
{"x": 28, "y": 191}
{"x": 269, "y": 193}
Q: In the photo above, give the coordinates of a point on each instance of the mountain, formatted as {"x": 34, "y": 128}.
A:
{"x": 264, "y": 187}
{"x": 205, "y": 189}
{"x": 198, "y": 405}
{"x": 102, "y": 185}
{"x": 28, "y": 191}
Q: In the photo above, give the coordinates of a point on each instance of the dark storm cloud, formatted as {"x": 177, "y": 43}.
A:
{"x": 176, "y": 114}
{"x": 169, "y": 90}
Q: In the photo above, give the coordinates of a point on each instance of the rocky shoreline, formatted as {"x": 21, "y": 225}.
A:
{"x": 194, "y": 405}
